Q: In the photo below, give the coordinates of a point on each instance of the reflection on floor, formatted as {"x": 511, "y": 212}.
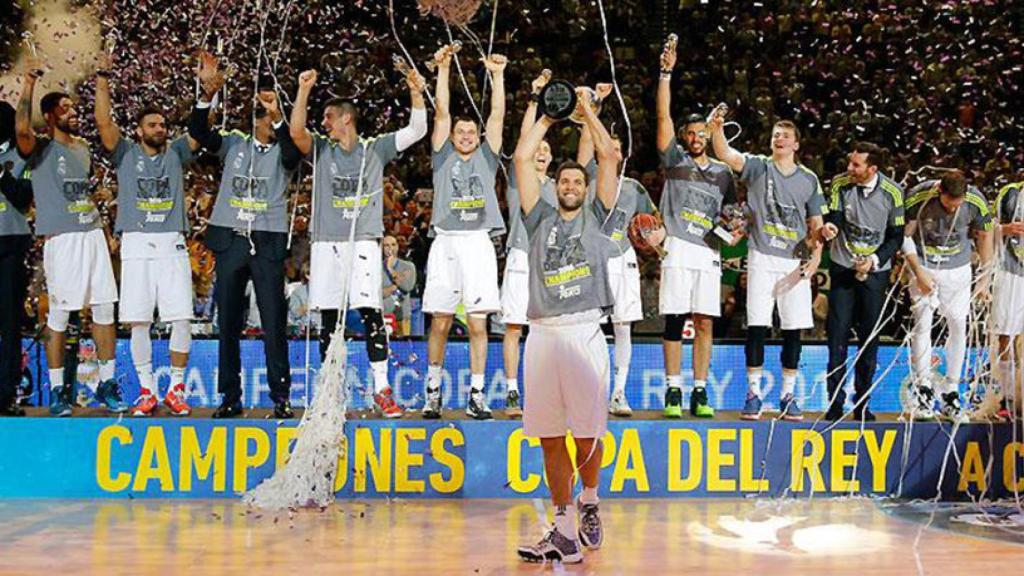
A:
{"x": 764, "y": 537}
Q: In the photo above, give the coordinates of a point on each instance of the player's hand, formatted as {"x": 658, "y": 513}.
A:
{"x": 211, "y": 78}
{"x": 603, "y": 90}
{"x": 1013, "y": 229}
{"x": 583, "y": 103}
{"x": 655, "y": 237}
{"x": 864, "y": 265}
{"x": 103, "y": 62}
{"x": 924, "y": 283}
{"x": 495, "y": 63}
{"x": 717, "y": 120}
{"x": 307, "y": 80}
{"x": 828, "y": 232}
{"x": 540, "y": 81}
{"x": 738, "y": 233}
{"x": 983, "y": 291}
{"x": 807, "y": 269}
{"x": 668, "y": 59}
{"x": 268, "y": 100}
{"x": 415, "y": 81}
{"x": 33, "y": 69}
{"x": 443, "y": 56}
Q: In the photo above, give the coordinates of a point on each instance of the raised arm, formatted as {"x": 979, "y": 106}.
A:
{"x": 585, "y": 150}
{"x": 723, "y": 151}
{"x": 607, "y": 156}
{"x": 300, "y": 134}
{"x": 211, "y": 80}
{"x": 417, "y": 127}
{"x": 495, "y": 64}
{"x": 666, "y": 128}
{"x": 442, "y": 95}
{"x": 23, "y": 132}
{"x": 526, "y": 173}
{"x": 110, "y": 134}
{"x": 530, "y": 116}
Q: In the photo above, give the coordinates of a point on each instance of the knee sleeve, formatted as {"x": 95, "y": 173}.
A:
{"x": 376, "y": 334}
{"x": 181, "y": 336}
{"x": 755, "y": 345}
{"x": 790, "y": 349}
{"x": 103, "y": 314}
{"x": 328, "y": 323}
{"x": 673, "y": 328}
{"x": 57, "y": 320}
{"x": 142, "y": 348}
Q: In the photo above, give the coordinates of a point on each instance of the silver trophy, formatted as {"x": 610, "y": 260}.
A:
{"x": 733, "y": 217}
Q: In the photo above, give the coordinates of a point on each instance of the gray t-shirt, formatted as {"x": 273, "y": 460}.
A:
{"x": 568, "y": 263}
{"x": 1009, "y": 209}
{"x": 865, "y": 218}
{"x": 60, "y": 186}
{"x": 261, "y": 201}
{"x": 12, "y": 221}
{"x": 943, "y": 239}
{"x": 779, "y": 206}
{"x": 692, "y": 199}
{"x": 151, "y": 189}
{"x": 633, "y": 199}
{"x": 337, "y": 184}
{"x": 517, "y": 238}
{"x": 464, "y": 196}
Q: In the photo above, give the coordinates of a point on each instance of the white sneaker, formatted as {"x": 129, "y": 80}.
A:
{"x": 923, "y": 406}
{"x": 951, "y": 409}
{"x": 619, "y": 406}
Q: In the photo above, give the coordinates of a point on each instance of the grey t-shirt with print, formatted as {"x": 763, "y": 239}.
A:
{"x": 337, "y": 186}
{"x": 865, "y": 218}
{"x": 633, "y": 199}
{"x": 12, "y": 221}
{"x": 464, "y": 196}
{"x": 944, "y": 239}
{"x": 60, "y": 186}
{"x": 251, "y": 194}
{"x": 151, "y": 189}
{"x": 517, "y": 238}
{"x": 692, "y": 199}
{"x": 779, "y": 206}
{"x": 568, "y": 263}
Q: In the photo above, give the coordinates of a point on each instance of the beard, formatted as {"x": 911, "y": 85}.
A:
{"x": 66, "y": 125}
{"x": 155, "y": 141}
{"x": 570, "y": 203}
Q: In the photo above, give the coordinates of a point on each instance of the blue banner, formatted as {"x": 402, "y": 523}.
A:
{"x": 407, "y": 368}
{"x": 104, "y": 457}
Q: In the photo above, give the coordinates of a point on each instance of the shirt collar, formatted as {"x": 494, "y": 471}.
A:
{"x": 869, "y": 186}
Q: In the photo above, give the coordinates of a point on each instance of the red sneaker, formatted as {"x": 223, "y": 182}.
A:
{"x": 144, "y": 405}
{"x": 386, "y": 404}
{"x": 175, "y": 402}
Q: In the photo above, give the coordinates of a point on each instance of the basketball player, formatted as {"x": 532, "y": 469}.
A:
{"x": 156, "y": 272}
{"x": 15, "y": 242}
{"x": 1008, "y": 298}
{"x": 785, "y": 204}
{"x": 566, "y": 362}
{"x": 942, "y": 217}
{"x": 623, "y": 269}
{"x": 865, "y": 226}
{"x": 349, "y": 179}
{"x": 76, "y": 258}
{"x": 462, "y": 266}
{"x": 248, "y": 234}
{"x": 515, "y": 284}
{"x": 696, "y": 189}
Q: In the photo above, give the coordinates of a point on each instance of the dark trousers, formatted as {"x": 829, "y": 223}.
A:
{"x": 13, "y": 284}
{"x": 235, "y": 265}
{"x": 858, "y": 305}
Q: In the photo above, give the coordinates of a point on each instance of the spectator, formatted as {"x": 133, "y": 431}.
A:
{"x": 399, "y": 279}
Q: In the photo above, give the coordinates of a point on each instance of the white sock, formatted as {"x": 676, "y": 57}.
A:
{"x": 513, "y": 384}
{"x": 623, "y": 354}
{"x": 56, "y": 378}
{"x": 380, "y": 376}
{"x": 565, "y": 520}
{"x": 177, "y": 379}
{"x": 674, "y": 380}
{"x": 788, "y": 384}
{"x": 754, "y": 383}
{"x": 107, "y": 370}
{"x": 433, "y": 377}
{"x": 476, "y": 382}
{"x": 699, "y": 384}
{"x": 589, "y": 495}
{"x": 145, "y": 372}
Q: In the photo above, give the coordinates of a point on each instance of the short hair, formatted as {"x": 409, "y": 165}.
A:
{"x": 789, "y": 125}
{"x": 953, "y": 184}
{"x": 51, "y": 101}
{"x": 146, "y": 111}
{"x": 876, "y": 154}
{"x": 464, "y": 118}
{"x": 694, "y": 119}
{"x": 345, "y": 106}
{"x": 572, "y": 165}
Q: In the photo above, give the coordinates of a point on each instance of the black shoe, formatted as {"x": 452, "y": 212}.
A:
{"x": 228, "y": 410}
{"x": 11, "y": 408}
{"x": 866, "y": 415}
{"x": 835, "y": 412}
{"x": 283, "y": 410}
